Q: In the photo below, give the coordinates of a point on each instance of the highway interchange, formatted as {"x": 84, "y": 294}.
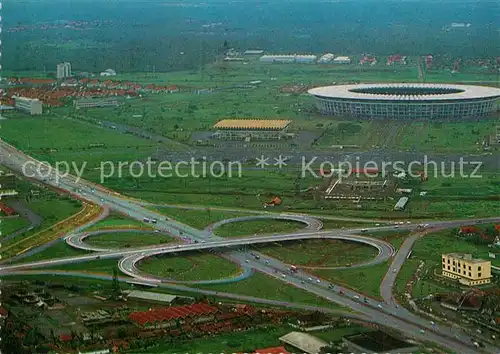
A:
{"x": 386, "y": 313}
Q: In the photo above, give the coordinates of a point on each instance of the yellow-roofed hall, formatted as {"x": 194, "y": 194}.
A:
{"x": 251, "y": 129}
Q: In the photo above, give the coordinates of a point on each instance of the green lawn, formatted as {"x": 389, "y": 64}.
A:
{"x": 247, "y": 341}
{"x": 429, "y": 249}
{"x": 263, "y": 286}
{"x": 195, "y": 266}
{"x": 119, "y": 240}
{"x": 58, "y": 250}
{"x": 247, "y": 228}
{"x": 319, "y": 253}
{"x": 53, "y": 138}
{"x": 10, "y": 225}
{"x": 235, "y": 196}
{"x": 117, "y": 221}
{"x": 244, "y": 342}
{"x": 364, "y": 280}
{"x": 102, "y": 266}
{"x": 53, "y": 208}
{"x": 198, "y": 219}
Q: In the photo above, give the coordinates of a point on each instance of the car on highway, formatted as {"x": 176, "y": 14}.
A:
{"x": 318, "y": 281}
{"x": 364, "y": 230}
{"x": 394, "y": 270}
{"x": 379, "y": 306}
{"x": 356, "y": 297}
{"x": 247, "y": 261}
{"x": 310, "y": 279}
{"x": 267, "y": 261}
{"x": 283, "y": 275}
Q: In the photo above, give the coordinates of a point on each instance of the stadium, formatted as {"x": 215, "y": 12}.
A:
{"x": 402, "y": 101}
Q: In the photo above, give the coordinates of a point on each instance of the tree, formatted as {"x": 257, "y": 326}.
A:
{"x": 116, "y": 284}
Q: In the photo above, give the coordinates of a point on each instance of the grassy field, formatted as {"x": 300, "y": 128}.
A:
{"x": 429, "y": 250}
{"x": 247, "y": 228}
{"x": 127, "y": 240}
{"x": 118, "y": 221}
{"x": 193, "y": 266}
{"x": 198, "y": 218}
{"x": 55, "y": 139}
{"x": 10, "y": 225}
{"x": 319, "y": 253}
{"x": 58, "y": 250}
{"x": 446, "y": 197}
{"x": 247, "y": 341}
{"x": 364, "y": 280}
{"x": 263, "y": 286}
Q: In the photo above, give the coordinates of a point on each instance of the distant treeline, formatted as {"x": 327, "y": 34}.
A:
{"x": 137, "y": 36}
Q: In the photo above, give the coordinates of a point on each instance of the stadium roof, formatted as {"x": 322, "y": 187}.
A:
{"x": 416, "y": 92}
{"x": 253, "y": 124}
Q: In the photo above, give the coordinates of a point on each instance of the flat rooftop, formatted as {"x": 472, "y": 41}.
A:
{"x": 253, "y": 124}
{"x": 465, "y": 257}
{"x": 378, "y": 341}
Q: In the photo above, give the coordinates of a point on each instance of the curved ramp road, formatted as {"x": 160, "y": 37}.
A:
{"x": 408, "y": 323}
{"x": 311, "y": 224}
{"x": 128, "y": 264}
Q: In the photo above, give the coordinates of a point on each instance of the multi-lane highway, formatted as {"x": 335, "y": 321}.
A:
{"x": 382, "y": 313}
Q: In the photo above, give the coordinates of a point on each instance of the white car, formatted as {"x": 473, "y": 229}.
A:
{"x": 394, "y": 270}
{"x": 310, "y": 279}
{"x": 318, "y": 281}
{"x": 247, "y": 261}
{"x": 379, "y": 306}
{"x": 356, "y": 297}
{"x": 283, "y": 275}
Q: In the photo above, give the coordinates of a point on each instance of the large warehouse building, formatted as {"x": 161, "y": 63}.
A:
{"x": 251, "y": 129}
{"x": 407, "y": 101}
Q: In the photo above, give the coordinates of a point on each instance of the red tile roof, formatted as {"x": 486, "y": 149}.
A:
{"x": 274, "y": 350}
{"x": 468, "y": 229}
{"x": 7, "y": 209}
{"x": 170, "y": 313}
{"x": 3, "y": 312}
{"x": 65, "y": 337}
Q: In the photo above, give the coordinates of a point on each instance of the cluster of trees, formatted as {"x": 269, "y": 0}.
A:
{"x": 148, "y": 36}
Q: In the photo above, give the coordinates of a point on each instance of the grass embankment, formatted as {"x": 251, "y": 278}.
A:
{"x": 117, "y": 221}
{"x": 193, "y": 266}
{"x": 49, "y": 233}
{"x": 12, "y": 224}
{"x": 119, "y": 240}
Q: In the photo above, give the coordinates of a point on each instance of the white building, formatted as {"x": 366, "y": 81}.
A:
{"x": 108, "y": 72}
{"x": 401, "y": 204}
{"x": 305, "y": 58}
{"x": 326, "y": 58}
{"x": 253, "y": 52}
{"x": 32, "y": 106}
{"x": 342, "y": 60}
{"x": 63, "y": 70}
{"x": 289, "y": 58}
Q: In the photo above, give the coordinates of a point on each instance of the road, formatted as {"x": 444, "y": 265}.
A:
{"x": 409, "y": 324}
